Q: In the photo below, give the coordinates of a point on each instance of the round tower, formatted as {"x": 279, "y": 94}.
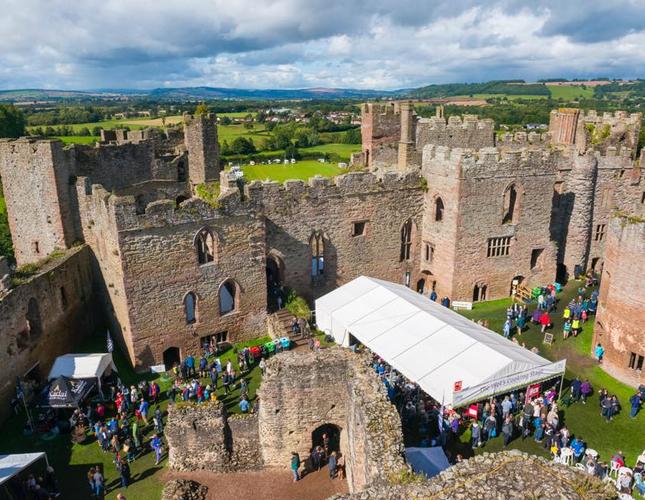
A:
{"x": 581, "y": 183}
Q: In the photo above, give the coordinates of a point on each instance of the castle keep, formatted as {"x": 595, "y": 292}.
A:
{"x": 442, "y": 204}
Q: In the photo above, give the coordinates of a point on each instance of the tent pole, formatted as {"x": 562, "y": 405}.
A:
{"x": 561, "y": 385}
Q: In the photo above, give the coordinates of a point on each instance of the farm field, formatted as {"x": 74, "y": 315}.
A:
{"x": 344, "y": 151}
{"x": 302, "y": 170}
{"x": 77, "y": 139}
{"x": 509, "y": 96}
{"x": 570, "y": 92}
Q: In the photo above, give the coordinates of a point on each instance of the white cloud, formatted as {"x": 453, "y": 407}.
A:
{"x": 298, "y": 43}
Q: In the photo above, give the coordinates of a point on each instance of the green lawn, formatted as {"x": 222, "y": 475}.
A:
{"x": 78, "y": 139}
{"x": 230, "y": 132}
{"x": 343, "y": 151}
{"x": 570, "y": 92}
{"x": 583, "y": 420}
{"x": 72, "y": 461}
{"x": 301, "y": 170}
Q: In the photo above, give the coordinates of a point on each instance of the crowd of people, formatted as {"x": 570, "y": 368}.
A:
{"x": 321, "y": 454}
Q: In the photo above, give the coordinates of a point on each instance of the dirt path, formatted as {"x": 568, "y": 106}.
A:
{"x": 268, "y": 483}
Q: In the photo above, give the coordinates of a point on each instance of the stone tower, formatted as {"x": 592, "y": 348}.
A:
{"x": 582, "y": 183}
{"x": 37, "y": 177}
{"x": 563, "y": 124}
{"x": 200, "y": 138}
{"x": 406, "y": 143}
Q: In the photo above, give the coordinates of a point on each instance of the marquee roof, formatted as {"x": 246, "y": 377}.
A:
{"x": 428, "y": 343}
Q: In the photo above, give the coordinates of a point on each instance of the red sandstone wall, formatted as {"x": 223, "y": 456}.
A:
{"x": 621, "y": 312}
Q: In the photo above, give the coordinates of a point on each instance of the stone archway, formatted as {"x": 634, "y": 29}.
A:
{"x": 329, "y": 433}
{"x": 171, "y": 356}
{"x": 516, "y": 282}
{"x": 275, "y": 280}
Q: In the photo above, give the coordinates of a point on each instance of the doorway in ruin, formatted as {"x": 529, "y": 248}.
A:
{"x": 171, "y": 356}
{"x": 326, "y": 433}
{"x": 516, "y": 282}
{"x": 275, "y": 280}
{"x": 421, "y": 285}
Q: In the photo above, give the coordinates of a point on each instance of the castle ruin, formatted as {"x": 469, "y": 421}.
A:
{"x": 178, "y": 253}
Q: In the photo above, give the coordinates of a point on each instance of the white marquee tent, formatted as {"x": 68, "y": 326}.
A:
{"x": 78, "y": 366}
{"x": 10, "y": 465}
{"x": 435, "y": 347}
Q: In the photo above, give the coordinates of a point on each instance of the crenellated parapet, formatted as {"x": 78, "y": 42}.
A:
{"x": 523, "y": 139}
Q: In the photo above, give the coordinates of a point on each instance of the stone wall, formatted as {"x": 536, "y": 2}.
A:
{"x": 507, "y": 474}
{"x": 455, "y": 132}
{"x": 294, "y": 211}
{"x": 621, "y": 309}
{"x": 302, "y": 391}
{"x": 203, "y": 437}
{"x": 472, "y": 188}
{"x": 381, "y": 131}
{"x": 43, "y": 318}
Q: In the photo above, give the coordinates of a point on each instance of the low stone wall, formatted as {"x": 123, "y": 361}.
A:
{"x": 302, "y": 391}
{"x": 508, "y": 474}
{"x": 203, "y": 437}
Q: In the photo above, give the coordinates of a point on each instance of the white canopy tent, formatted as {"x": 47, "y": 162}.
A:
{"x": 78, "y": 366}
{"x": 10, "y": 465}
{"x": 435, "y": 347}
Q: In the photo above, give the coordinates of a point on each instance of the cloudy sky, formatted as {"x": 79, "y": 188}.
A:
{"x": 383, "y": 44}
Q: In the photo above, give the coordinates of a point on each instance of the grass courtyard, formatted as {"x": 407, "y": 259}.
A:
{"x": 622, "y": 433}
{"x": 302, "y": 170}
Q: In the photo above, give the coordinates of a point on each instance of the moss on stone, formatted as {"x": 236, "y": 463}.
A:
{"x": 209, "y": 192}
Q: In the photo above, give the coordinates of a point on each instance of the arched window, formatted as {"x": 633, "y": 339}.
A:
{"x": 511, "y": 205}
{"x": 406, "y": 239}
{"x": 205, "y": 246}
{"x": 228, "y": 297}
{"x": 438, "y": 209}
{"x": 190, "y": 308}
{"x": 317, "y": 247}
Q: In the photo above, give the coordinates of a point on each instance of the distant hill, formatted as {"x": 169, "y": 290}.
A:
{"x": 513, "y": 87}
{"x": 197, "y": 93}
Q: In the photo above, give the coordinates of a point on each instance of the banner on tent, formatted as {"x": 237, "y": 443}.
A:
{"x": 479, "y": 392}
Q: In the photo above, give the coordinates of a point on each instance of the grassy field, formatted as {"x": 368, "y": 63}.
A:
{"x": 583, "y": 420}
{"x": 230, "y": 132}
{"x": 570, "y": 92}
{"x": 78, "y": 139}
{"x": 508, "y": 96}
{"x": 72, "y": 461}
{"x": 344, "y": 151}
{"x": 301, "y": 170}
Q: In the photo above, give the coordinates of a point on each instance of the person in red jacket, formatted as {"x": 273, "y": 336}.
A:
{"x": 545, "y": 320}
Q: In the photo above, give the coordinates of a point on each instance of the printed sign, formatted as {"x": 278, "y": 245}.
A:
{"x": 505, "y": 384}
{"x": 548, "y": 338}
{"x": 458, "y": 385}
{"x": 532, "y": 392}
{"x": 462, "y": 305}
{"x": 158, "y": 369}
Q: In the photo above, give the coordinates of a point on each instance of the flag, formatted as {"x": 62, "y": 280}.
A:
{"x": 110, "y": 344}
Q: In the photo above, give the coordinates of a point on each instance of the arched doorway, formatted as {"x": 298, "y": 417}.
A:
{"x": 275, "y": 280}
{"x": 516, "y": 282}
{"x": 479, "y": 292}
{"x": 326, "y": 433}
{"x": 171, "y": 356}
{"x": 421, "y": 285}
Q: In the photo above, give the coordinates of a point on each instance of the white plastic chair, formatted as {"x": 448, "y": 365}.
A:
{"x": 613, "y": 468}
{"x": 581, "y": 467}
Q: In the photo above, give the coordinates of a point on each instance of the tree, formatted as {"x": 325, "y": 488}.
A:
{"x": 352, "y": 136}
{"x": 201, "y": 109}
{"x": 225, "y": 120}
{"x": 248, "y": 125}
{"x": 12, "y": 121}
{"x": 225, "y": 150}
{"x": 291, "y": 151}
{"x": 242, "y": 146}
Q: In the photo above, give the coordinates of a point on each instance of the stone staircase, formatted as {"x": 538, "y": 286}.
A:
{"x": 279, "y": 325}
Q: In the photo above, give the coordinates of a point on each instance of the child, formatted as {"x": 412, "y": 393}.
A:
{"x": 566, "y": 329}
{"x": 575, "y": 326}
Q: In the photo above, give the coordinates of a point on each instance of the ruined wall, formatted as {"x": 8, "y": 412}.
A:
{"x": 96, "y": 209}
{"x": 380, "y": 131}
{"x": 43, "y": 318}
{"x": 36, "y": 181}
{"x": 456, "y": 132}
{"x": 160, "y": 266}
{"x": 472, "y": 187}
{"x": 204, "y": 437}
{"x": 200, "y": 137}
{"x": 487, "y": 476}
{"x": 621, "y": 309}
{"x": 302, "y": 391}
{"x": 293, "y": 212}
